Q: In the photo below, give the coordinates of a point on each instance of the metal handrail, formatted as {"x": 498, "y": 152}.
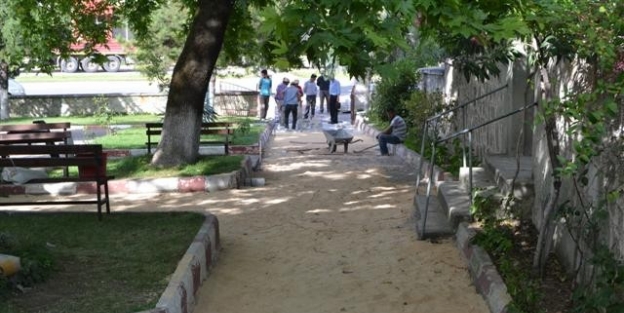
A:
{"x": 439, "y": 115}
{"x": 468, "y": 131}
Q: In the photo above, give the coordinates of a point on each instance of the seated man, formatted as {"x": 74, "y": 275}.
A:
{"x": 395, "y": 133}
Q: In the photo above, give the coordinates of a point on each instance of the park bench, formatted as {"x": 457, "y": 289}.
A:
{"x": 222, "y": 131}
{"x": 36, "y": 133}
{"x": 86, "y": 157}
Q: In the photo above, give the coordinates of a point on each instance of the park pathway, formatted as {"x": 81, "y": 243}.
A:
{"x": 330, "y": 233}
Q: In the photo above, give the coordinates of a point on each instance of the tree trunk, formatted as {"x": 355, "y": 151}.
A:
{"x": 546, "y": 230}
{"x": 4, "y": 90}
{"x": 183, "y": 115}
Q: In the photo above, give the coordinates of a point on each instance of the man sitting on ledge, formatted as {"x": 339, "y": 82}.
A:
{"x": 395, "y": 133}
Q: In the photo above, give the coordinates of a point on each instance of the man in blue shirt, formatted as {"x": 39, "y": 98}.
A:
{"x": 334, "y": 95}
{"x": 264, "y": 87}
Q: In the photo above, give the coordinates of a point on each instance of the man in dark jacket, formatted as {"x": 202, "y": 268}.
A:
{"x": 323, "y": 83}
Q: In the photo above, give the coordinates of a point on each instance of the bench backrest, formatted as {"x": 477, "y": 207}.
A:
{"x": 35, "y": 133}
{"x": 216, "y": 128}
{"x": 39, "y": 155}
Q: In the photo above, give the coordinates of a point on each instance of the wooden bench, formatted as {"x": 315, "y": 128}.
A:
{"x": 85, "y": 156}
{"x": 36, "y": 133}
{"x": 222, "y": 129}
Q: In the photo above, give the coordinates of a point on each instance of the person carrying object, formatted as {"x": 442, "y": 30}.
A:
{"x": 334, "y": 96}
{"x": 395, "y": 133}
{"x": 310, "y": 90}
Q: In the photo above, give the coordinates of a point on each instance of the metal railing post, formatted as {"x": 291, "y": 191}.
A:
{"x": 470, "y": 164}
{"x": 422, "y": 154}
{"x": 431, "y": 166}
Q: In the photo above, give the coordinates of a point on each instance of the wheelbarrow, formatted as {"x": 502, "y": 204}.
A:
{"x": 338, "y": 136}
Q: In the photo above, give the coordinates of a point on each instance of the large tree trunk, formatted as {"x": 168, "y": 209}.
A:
{"x": 189, "y": 83}
{"x": 4, "y": 90}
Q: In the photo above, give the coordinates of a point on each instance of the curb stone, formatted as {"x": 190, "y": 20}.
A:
{"x": 212, "y": 183}
{"x": 192, "y": 270}
{"x": 482, "y": 270}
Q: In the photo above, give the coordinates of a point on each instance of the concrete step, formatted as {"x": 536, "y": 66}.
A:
{"x": 481, "y": 177}
{"x": 454, "y": 202}
{"x": 503, "y": 169}
{"x": 437, "y": 224}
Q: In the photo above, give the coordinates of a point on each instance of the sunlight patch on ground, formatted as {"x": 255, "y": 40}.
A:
{"x": 368, "y": 207}
{"x": 319, "y": 211}
{"x": 294, "y": 166}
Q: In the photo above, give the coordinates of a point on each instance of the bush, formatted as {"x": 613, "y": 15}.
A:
{"x": 394, "y": 91}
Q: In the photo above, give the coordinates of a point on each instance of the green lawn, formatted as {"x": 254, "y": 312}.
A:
{"x": 80, "y": 264}
{"x": 89, "y": 120}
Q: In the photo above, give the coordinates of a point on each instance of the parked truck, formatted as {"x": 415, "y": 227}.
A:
{"x": 110, "y": 56}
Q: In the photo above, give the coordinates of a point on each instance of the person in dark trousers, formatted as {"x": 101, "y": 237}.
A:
{"x": 395, "y": 133}
{"x": 264, "y": 87}
{"x": 323, "y": 84}
{"x": 334, "y": 95}
{"x": 292, "y": 98}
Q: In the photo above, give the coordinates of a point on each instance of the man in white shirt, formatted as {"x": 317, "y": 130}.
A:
{"x": 395, "y": 133}
{"x": 310, "y": 90}
{"x": 334, "y": 95}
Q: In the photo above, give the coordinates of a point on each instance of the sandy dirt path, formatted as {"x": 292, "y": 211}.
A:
{"x": 327, "y": 233}
{"x": 330, "y": 233}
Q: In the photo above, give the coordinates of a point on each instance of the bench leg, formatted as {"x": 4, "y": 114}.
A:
{"x": 99, "y": 199}
{"x": 346, "y": 147}
{"x": 107, "y": 197}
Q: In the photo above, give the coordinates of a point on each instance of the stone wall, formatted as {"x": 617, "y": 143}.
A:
{"x": 500, "y": 137}
{"x": 240, "y": 103}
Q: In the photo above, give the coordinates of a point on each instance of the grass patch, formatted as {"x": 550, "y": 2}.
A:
{"x": 139, "y": 167}
{"x": 119, "y": 264}
{"x": 89, "y": 120}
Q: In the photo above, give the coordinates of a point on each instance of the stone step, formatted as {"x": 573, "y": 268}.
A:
{"x": 437, "y": 224}
{"x": 503, "y": 169}
{"x": 454, "y": 202}
{"x": 481, "y": 178}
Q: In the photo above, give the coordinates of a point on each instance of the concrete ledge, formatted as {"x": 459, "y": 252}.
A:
{"x": 192, "y": 270}
{"x": 212, "y": 183}
{"x": 483, "y": 271}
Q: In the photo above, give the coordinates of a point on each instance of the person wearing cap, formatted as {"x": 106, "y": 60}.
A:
{"x": 279, "y": 100}
{"x": 292, "y": 98}
{"x": 264, "y": 87}
{"x": 310, "y": 90}
{"x": 334, "y": 95}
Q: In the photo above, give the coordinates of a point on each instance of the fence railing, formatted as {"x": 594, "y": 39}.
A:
{"x": 464, "y": 131}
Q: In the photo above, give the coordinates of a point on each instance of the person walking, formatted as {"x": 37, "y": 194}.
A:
{"x": 323, "y": 84}
{"x": 279, "y": 100}
{"x": 264, "y": 87}
{"x": 310, "y": 90}
{"x": 395, "y": 133}
{"x": 292, "y": 98}
{"x": 334, "y": 95}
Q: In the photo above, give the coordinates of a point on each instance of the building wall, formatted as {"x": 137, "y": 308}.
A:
{"x": 240, "y": 103}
